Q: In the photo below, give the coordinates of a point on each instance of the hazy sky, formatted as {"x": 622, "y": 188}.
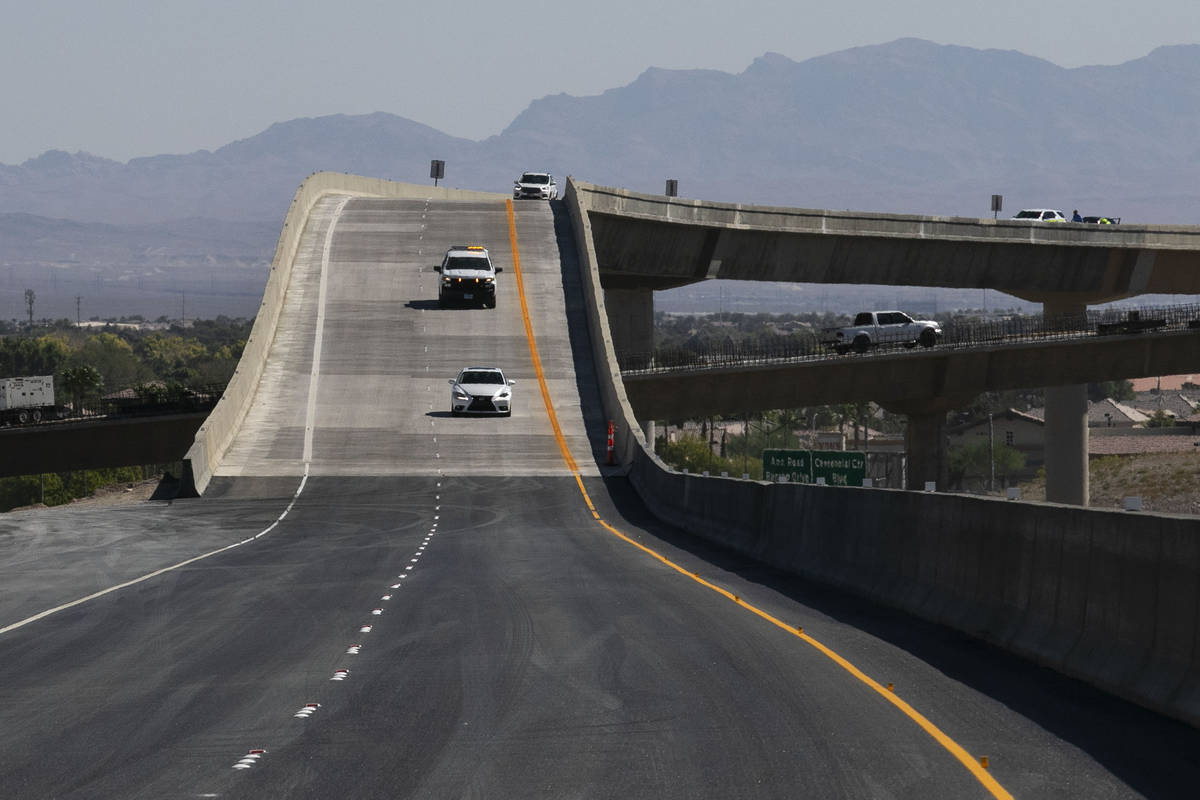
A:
{"x": 127, "y": 78}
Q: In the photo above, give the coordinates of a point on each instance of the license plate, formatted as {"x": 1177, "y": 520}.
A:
{"x": 468, "y": 296}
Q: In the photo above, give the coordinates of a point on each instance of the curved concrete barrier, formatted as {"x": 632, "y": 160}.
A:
{"x": 215, "y": 435}
{"x": 1108, "y": 597}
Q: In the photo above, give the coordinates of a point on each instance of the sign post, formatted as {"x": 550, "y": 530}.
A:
{"x": 437, "y": 169}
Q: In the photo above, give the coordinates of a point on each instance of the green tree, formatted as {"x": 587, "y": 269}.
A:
{"x": 787, "y": 422}
{"x": 171, "y": 357}
{"x": 971, "y": 461}
{"x": 694, "y": 454}
{"x": 81, "y": 383}
{"x": 1117, "y": 390}
{"x": 25, "y": 355}
{"x": 1160, "y": 419}
{"x": 115, "y": 360}
{"x": 28, "y": 490}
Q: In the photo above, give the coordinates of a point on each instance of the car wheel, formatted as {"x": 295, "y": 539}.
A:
{"x": 928, "y": 338}
{"x": 22, "y": 416}
{"x": 37, "y": 415}
{"x": 862, "y": 343}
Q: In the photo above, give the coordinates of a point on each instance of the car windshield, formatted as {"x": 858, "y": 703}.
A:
{"x": 533, "y": 177}
{"x": 1028, "y": 215}
{"x": 466, "y": 262}
{"x": 479, "y": 376}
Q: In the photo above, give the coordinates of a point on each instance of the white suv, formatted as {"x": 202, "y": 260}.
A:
{"x": 538, "y": 185}
{"x": 1040, "y": 215}
{"x": 468, "y": 277}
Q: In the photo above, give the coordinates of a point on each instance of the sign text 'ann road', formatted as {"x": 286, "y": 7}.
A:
{"x": 836, "y": 467}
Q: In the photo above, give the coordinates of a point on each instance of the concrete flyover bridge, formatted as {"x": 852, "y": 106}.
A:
{"x": 644, "y": 243}
{"x": 920, "y": 383}
{"x": 375, "y": 598}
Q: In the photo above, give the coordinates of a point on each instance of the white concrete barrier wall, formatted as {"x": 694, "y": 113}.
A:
{"x": 1105, "y": 596}
{"x": 215, "y": 435}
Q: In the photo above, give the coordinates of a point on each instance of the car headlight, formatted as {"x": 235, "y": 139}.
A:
{"x": 460, "y": 394}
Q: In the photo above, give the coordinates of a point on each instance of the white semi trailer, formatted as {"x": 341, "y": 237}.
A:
{"x": 25, "y": 400}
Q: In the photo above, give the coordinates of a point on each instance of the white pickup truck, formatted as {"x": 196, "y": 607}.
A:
{"x": 874, "y": 328}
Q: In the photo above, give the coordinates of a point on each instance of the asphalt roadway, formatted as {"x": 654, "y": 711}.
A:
{"x": 375, "y": 599}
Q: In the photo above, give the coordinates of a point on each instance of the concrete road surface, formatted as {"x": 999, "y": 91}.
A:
{"x": 375, "y": 599}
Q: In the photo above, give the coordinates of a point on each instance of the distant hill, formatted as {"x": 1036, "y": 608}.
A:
{"x": 905, "y": 126}
{"x": 29, "y": 240}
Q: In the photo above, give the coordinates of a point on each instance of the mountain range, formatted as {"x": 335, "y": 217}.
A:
{"x": 909, "y": 126}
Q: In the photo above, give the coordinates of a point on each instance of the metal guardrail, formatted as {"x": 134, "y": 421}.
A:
{"x": 1015, "y": 329}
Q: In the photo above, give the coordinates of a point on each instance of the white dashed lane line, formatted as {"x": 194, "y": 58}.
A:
{"x": 308, "y": 710}
{"x": 250, "y": 759}
{"x": 342, "y": 674}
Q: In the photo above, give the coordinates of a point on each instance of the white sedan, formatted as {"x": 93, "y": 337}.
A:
{"x": 481, "y": 390}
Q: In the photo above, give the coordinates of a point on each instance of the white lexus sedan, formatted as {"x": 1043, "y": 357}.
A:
{"x": 481, "y": 390}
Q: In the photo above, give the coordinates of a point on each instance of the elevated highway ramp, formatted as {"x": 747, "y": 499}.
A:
{"x": 363, "y": 302}
{"x": 375, "y": 599}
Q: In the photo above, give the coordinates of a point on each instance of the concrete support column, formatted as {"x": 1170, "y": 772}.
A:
{"x": 1066, "y": 433}
{"x": 648, "y": 431}
{"x": 631, "y": 320}
{"x": 925, "y": 438}
{"x": 1067, "y": 445}
{"x": 925, "y": 441}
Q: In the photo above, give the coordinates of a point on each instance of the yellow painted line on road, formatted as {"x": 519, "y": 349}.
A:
{"x": 533, "y": 351}
{"x": 966, "y": 759}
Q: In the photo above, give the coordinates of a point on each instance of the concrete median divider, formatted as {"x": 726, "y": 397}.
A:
{"x": 1108, "y": 597}
{"x": 215, "y": 435}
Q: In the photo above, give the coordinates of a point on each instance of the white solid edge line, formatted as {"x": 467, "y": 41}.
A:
{"x": 310, "y": 416}
{"x": 164, "y": 570}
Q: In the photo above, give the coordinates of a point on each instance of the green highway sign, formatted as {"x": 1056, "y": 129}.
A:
{"x": 837, "y": 467}
{"x": 790, "y": 466}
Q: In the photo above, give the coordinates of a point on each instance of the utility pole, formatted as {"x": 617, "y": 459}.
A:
{"x": 30, "y": 296}
{"x": 78, "y": 301}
